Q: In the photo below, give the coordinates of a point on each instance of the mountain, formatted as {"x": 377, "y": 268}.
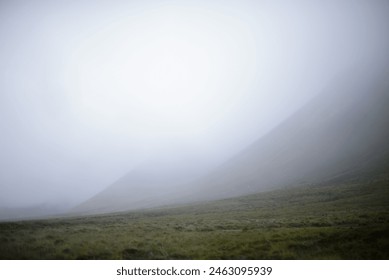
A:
{"x": 153, "y": 182}
{"x": 339, "y": 135}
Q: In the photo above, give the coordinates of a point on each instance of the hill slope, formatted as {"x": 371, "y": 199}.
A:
{"x": 146, "y": 186}
{"x": 340, "y": 135}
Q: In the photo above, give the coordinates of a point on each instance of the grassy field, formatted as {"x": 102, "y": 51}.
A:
{"x": 349, "y": 221}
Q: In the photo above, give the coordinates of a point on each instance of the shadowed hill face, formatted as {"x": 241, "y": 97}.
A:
{"x": 340, "y": 135}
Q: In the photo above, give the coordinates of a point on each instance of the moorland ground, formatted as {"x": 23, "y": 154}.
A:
{"x": 337, "y": 221}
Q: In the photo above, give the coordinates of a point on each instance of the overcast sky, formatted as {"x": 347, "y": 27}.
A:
{"x": 91, "y": 89}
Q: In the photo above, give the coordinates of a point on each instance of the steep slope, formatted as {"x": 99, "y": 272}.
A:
{"x": 340, "y": 135}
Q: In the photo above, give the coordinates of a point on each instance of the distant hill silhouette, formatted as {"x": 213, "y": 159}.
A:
{"x": 342, "y": 134}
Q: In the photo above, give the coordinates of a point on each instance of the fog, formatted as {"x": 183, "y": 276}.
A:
{"x": 90, "y": 90}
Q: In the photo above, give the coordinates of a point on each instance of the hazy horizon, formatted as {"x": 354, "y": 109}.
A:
{"x": 91, "y": 90}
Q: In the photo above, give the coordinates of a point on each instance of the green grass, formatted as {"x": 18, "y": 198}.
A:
{"x": 344, "y": 221}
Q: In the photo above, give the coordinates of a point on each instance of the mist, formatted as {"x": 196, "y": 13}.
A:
{"x": 93, "y": 90}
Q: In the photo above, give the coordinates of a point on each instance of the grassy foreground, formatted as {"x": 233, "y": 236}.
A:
{"x": 349, "y": 221}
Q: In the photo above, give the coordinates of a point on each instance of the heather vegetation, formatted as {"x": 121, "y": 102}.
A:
{"x": 347, "y": 221}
